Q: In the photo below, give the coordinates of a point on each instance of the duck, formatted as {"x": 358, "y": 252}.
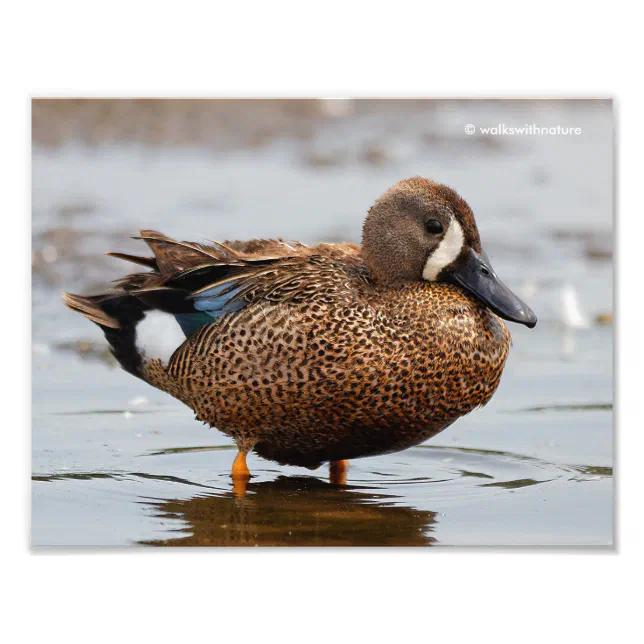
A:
{"x": 325, "y": 353}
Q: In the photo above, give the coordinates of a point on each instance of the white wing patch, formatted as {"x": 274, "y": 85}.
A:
{"x": 158, "y": 335}
{"x": 448, "y": 250}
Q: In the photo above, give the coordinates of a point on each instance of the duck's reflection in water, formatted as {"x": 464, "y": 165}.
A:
{"x": 297, "y": 511}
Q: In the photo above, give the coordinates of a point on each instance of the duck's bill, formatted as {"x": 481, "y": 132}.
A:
{"x": 476, "y": 275}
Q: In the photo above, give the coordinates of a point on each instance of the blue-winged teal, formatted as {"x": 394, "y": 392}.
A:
{"x": 307, "y": 354}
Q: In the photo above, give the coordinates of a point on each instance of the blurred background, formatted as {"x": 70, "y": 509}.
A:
{"x": 309, "y": 170}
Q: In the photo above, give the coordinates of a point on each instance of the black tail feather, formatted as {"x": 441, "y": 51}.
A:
{"x": 117, "y": 315}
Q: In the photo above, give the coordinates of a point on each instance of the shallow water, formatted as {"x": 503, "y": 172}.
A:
{"x": 118, "y": 463}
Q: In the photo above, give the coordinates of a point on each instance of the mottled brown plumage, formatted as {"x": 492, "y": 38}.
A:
{"x": 320, "y": 353}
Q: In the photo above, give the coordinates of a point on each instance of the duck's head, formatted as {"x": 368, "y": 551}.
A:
{"x": 422, "y": 230}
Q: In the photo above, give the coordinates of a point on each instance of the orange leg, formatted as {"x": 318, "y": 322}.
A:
{"x": 338, "y": 472}
{"x": 240, "y": 474}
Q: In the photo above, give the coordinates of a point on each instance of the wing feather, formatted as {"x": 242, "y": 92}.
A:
{"x": 199, "y": 282}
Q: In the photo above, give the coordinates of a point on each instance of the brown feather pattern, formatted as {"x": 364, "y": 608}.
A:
{"x": 324, "y": 362}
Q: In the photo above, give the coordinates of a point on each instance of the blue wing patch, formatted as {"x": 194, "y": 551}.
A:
{"x": 190, "y": 322}
{"x": 211, "y": 305}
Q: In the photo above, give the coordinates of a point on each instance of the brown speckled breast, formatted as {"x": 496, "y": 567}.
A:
{"x": 367, "y": 373}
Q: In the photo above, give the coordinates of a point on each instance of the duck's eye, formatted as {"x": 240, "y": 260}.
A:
{"x": 434, "y": 227}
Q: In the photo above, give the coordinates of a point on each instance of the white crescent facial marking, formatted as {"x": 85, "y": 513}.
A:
{"x": 448, "y": 250}
{"x": 158, "y": 335}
